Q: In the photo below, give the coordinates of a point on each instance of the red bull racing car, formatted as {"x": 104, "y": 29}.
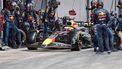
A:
{"x": 72, "y": 36}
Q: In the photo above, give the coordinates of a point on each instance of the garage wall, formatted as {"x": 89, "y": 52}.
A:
{"x": 79, "y": 6}
{"x": 1, "y": 4}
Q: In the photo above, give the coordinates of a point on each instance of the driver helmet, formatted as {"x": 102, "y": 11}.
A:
{"x": 94, "y": 3}
{"x": 30, "y": 6}
{"x": 100, "y": 3}
{"x": 11, "y": 16}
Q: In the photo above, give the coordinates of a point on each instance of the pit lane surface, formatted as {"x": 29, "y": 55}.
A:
{"x": 59, "y": 59}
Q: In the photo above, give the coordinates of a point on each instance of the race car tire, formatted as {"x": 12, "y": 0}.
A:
{"x": 76, "y": 46}
{"x": 32, "y": 37}
{"x": 23, "y": 35}
{"x": 32, "y": 48}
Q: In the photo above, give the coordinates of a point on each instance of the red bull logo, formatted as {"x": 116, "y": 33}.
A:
{"x": 102, "y": 16}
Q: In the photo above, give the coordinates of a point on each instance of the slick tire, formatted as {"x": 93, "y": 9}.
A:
{"x": 75, "y": 47}
{"x": 23, "y": 35}
{"x": 31, "y": 37}
{"x": 32, "y": 48}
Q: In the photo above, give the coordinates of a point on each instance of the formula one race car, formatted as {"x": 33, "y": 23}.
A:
{"x": 73, "y": 37}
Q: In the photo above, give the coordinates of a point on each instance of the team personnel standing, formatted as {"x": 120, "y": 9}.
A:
{"x": 120, "y": 22}
{"x": 101, "y": 18}
{"x": 93, "y": 33}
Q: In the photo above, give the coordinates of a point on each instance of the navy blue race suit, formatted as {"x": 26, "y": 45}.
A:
{"x": 101, "y": 18}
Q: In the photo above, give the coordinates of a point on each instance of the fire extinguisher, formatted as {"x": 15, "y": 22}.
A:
{"x": 1, "y": 23}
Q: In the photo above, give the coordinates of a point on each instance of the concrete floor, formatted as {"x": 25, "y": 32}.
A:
{"x": 59, "y": 59}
